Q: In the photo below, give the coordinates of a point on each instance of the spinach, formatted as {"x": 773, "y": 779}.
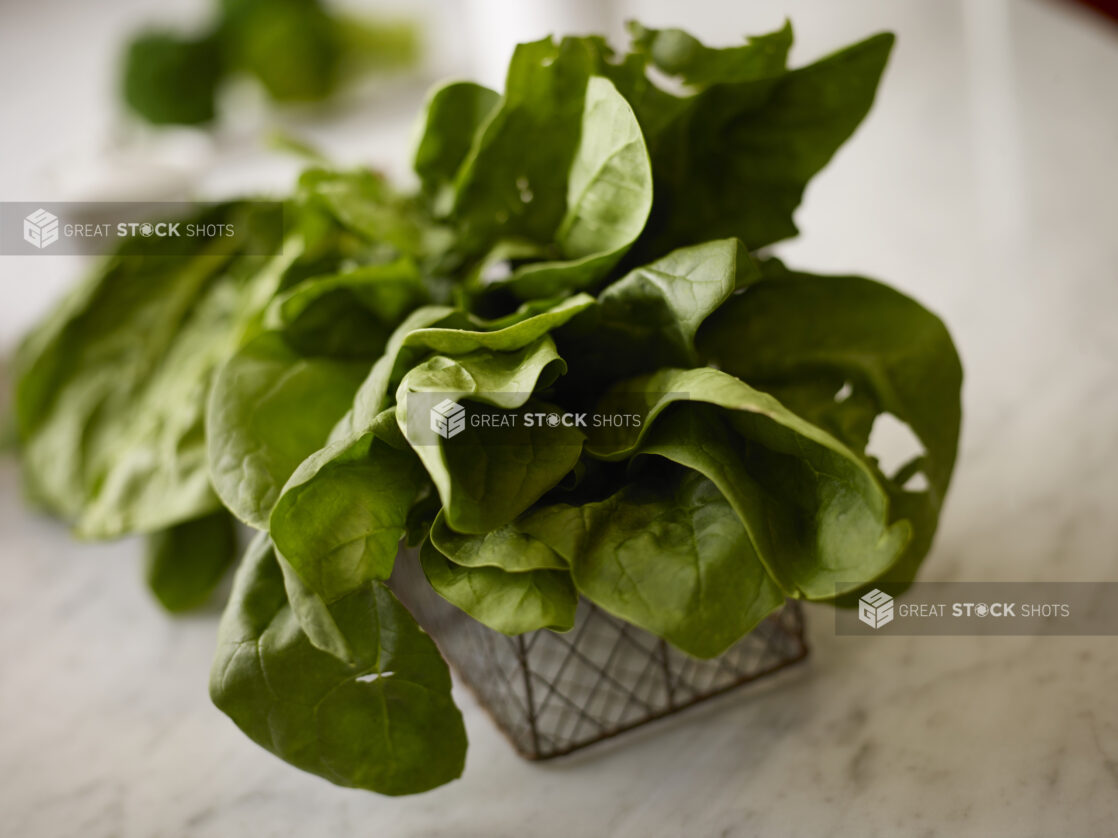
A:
{"x": 296, "y": 49}
{"x": 184, "y": 563}
{"x": 383, "y": 722}
{"x": 584, "y": 244}
{"x": 512, "y": 603}
{"x": 269, "y": 409}
{"x": 669, "y": 555}
{"x": 111, "y": 389}
{"x": 173, "y": 80}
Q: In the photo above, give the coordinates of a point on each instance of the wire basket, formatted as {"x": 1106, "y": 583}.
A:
{"x": 552, "y": 693}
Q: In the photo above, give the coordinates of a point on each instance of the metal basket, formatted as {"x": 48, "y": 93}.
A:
{"x": 552, "y": 693}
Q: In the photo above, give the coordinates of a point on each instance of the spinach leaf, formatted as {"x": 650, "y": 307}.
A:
{"x": 296, "y": 49}
{"x": 452, "y": 117}
{"x": 667, "y": 555}
{"x": 170, "y": 79}
{"x": 816, "y": 514}
{"x": 895, "y": 354}
{"x": 508, "y": 548}
{"x": 185, "y": 562}
{"x": 269, "y": 410}
{"x": 648, "y": 319}
{"x": 511, "y": 603}
{"x": 291, "y": 46}
{"x": 609, "y": 196}
{"x": 515, "y": 333}
{"x": 490, "y": 472}
{"x": 343, "y": 512}
{"x": 111, "y": 392}
{"x": 385, "y": 722}
{"x": 349, "y": 314}
{"x": 513, "y": 183}
{"x": 382, "y": 225}
{"x": 373, "y": 396}
{"x": 736, "y": 160}
{"x": 679, "y": 54}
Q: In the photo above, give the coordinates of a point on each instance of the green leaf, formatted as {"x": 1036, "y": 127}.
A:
{"x": 111, "y": 394}
{"x": 451, "y": 332}
{"x": 648, "y": 318}
{"x": 678, "y": 54}
{"x": 293, "y": 47}
{"x": 514, "y": 180}
{"x": 511, "y": 603}
{"x": 817, "y": 516}
{"x": 184, "y": 563}
{"x": 461, "y": 339}
{"x": 668, "y": 555}
{"x": 339, "y": 520}
{"x": 804, "y": 336}
{"x": 499, "y": 463}
{"x": 385, "y": 722}
{"x": 508, "y": 548}
{"x": 504, "y": 379}
{"x": 349, "y": 314}
{"x": 363, "y": 204}
{"x": 172, "y": 80}
{"x": 453, "y": 115}
{"x": 609, "y": 197}
{"x": 373, "y": 395}
{"x": 269, "y": 410}
{"x": 736, "y": 160}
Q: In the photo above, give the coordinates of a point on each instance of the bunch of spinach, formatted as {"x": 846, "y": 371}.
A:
{"x": 586, "y": 241}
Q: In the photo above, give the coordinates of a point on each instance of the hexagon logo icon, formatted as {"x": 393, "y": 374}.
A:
{"x": 40, "y": 228}
{"x": 875, "y": 609}
{"x": 448, "y": 418}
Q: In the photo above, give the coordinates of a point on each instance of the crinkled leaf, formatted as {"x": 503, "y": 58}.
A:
{"x": 818, "y": 517}
{"x": 488, "y": 473}
{"x": 511, "y": 603}
{"x": 804, "y": 337}
{"x": 885, "y": 344}
{"x": 363, "y": 204}
{"x": 649, "y": 317}
{"x": 668, "y": 555}
{"x": 508, "y": 548}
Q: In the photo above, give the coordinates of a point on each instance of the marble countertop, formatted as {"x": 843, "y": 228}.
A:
{"x": 985, "y": 185}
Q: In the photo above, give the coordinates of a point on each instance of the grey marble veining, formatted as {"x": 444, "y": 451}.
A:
{"x": 106, "y": 728}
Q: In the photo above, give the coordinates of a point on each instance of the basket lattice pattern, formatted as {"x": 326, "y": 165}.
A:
{"x": 553, "y": 693}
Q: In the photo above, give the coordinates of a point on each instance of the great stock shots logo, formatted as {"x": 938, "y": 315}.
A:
{"x": 448, "y": 418}
{"x": 875, "y": 609}
{"x": 40, "y": 228}
{"x": 173, "y": 228}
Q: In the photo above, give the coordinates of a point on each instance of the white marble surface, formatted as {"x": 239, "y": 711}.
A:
{"x": 985, "y": 183}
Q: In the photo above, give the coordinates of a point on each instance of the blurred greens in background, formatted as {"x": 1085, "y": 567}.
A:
{"x": 298, "y": 50}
